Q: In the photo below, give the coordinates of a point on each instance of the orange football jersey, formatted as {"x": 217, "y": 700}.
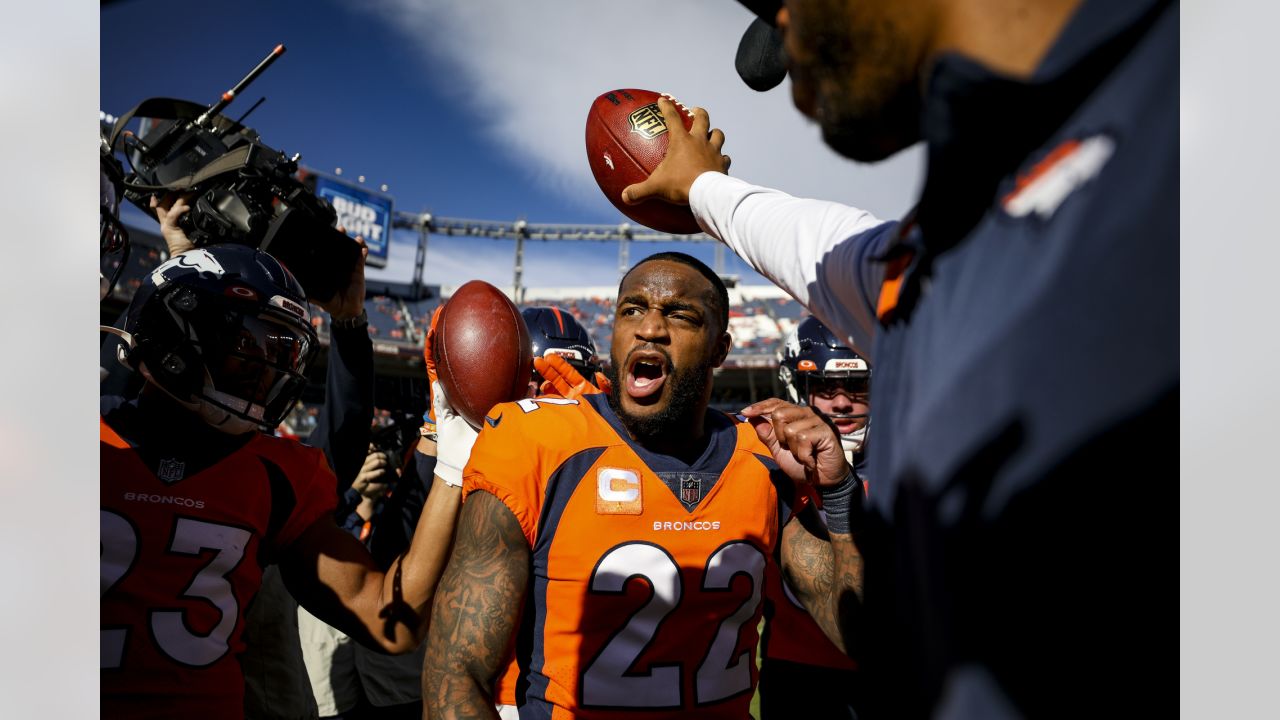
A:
{"x": 647, "y": 574}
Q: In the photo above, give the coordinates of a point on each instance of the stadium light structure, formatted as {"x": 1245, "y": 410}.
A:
{"x": 519, "y": 230}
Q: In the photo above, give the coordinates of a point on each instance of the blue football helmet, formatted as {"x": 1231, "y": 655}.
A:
{"x": 225, "y": 331}
{"x": 812, "y": 361}
{"x": 556, "y": 332}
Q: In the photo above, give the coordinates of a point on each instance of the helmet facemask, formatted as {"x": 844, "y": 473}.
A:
{"x": 236, "y": 365}
{"x": 853, "y": 385}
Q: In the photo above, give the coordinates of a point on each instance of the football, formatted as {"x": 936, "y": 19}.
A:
{"x": 626, "y": 139}
{"x": 482, "y": 350}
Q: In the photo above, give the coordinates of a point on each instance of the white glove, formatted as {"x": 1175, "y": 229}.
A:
{"x": 454, "y": 438}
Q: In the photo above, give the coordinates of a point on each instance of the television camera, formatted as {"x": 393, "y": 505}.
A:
{"x": 243, "y": 190}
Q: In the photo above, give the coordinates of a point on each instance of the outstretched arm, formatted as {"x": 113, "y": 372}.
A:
{"x": 332, "y": 575}
{"x": 821, "y": 563}
{"x": 475, "y": 611}
{"x": 822, "y": 253}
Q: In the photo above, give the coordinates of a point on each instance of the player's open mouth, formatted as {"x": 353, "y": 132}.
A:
{"x": 646, "y": 375}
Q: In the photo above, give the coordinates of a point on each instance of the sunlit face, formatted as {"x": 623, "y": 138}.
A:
{"x": 667, "y": 338}
{"x": 840, "y": 398}
{"x": 856, "y": 70}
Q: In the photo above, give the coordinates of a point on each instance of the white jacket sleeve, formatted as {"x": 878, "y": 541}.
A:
{"x": 822, "y": 253}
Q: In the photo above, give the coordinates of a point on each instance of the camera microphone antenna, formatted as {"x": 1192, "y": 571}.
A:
{"x": 240, "y": 120}
{"x": 230, "y": 95}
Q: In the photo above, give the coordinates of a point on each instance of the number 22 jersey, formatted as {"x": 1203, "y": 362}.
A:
{"x": 647, "y": 573}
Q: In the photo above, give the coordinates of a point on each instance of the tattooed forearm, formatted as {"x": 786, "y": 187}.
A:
{"x": 475, "y": 611}
{"x": 825, "y": 572}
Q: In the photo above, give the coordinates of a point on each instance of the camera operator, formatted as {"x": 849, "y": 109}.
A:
{"x": 169, "y": 210}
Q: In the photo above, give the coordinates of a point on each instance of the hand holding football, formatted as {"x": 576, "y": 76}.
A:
{"x": 627, "y": 138}
{"x": 482, "y": 352}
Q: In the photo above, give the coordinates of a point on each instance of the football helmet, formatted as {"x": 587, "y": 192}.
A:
{"x": 224, "y": 330}
{"x": 814, "y": 361}
{"x": 556, "y": 332}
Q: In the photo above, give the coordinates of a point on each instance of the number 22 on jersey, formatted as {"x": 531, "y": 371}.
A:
{"x": 607, "y": 680}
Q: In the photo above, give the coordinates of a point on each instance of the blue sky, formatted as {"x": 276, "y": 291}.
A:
{"x": 475, "y": 109}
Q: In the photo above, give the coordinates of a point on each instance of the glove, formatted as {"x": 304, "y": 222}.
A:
{"x": 561, "y": 378}
{"x": 454, "y": 438}
{"x": 602, "y": 382}
{"x": 429, "y": 422}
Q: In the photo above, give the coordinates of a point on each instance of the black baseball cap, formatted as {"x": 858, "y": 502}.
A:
{"x": 761, "y": 62}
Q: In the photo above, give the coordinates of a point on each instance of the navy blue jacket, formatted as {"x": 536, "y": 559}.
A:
{"x": 1020, "y": 546}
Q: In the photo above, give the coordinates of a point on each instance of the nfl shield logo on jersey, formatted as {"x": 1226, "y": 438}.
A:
{"x": 171, "y": 470}
{"x": 690, "y": 490}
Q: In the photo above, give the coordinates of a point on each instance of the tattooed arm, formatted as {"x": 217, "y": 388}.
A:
{"x": 824, "y": 570}
{"x": 822, "y": 566}
{"x": 475, "y": 611}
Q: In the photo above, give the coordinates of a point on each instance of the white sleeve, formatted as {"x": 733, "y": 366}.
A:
{"x": 820, "y": 252}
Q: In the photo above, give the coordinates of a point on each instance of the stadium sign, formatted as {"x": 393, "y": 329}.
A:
{"x": 361, "y": 211}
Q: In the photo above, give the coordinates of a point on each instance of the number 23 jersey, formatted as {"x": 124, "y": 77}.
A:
{"x": 647, "y": 574}
{"x": 182, "y": 557}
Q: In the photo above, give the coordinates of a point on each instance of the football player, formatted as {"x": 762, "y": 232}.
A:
{"x": 197, "y": 499}
{"x": 555, "y": 333}
{"x": 564, "y": 365}
{"x": 820, "y": 372}
{"x": 624, "y": 537}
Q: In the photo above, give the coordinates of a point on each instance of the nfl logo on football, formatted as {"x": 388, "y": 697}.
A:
{"x": 648, "y": 122}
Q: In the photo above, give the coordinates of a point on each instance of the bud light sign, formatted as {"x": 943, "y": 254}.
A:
{"x": 362, "y": 212}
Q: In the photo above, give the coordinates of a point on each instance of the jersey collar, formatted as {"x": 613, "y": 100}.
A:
{"x": 721, "y": 433}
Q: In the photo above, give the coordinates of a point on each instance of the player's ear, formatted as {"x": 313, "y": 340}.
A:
{"x": 723, "y": 344}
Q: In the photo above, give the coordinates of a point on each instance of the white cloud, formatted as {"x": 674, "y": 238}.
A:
{"x": 529, "y": 72}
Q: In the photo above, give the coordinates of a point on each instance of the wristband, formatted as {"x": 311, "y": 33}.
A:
{"x": 359, "y": 321}
{"x": 837, "y": 503}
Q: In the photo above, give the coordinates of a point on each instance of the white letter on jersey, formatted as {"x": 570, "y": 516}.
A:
{"x": 606, "y": 488}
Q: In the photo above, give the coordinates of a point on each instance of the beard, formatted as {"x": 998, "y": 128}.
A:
{"x": 858, "y": 81}
{"x": 688, "y": 393}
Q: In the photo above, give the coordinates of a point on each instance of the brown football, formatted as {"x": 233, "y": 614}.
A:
{"x": 482, "y": 350}
{"x": 626, "y": 139}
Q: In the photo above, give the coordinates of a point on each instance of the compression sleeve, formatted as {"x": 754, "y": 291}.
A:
{"x": 822, "y": 253}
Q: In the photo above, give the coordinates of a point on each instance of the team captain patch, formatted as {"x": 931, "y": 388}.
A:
{"x": 618, "y": 492}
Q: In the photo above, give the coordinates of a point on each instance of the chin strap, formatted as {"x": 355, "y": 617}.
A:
{"x": 853, "y": 442}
